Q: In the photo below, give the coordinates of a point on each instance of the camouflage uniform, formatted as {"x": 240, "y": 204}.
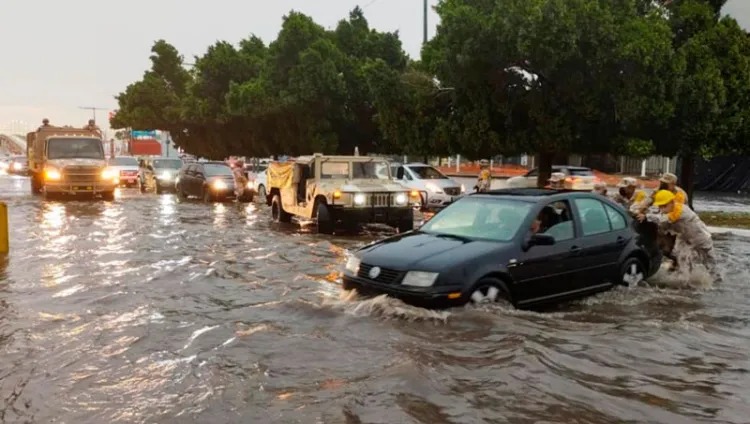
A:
{"x": 484, "y": 180}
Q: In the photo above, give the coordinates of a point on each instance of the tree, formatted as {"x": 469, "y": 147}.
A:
{"x": 551, "y": 77}
{"x": 713, "y": 88}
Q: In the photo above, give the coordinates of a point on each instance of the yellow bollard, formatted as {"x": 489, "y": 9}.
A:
{"x": 4, "y": 239}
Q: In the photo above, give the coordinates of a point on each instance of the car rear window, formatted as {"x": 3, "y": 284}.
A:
{"x": 125, "y": 161}
{"x": 480, "y": 218}
{"x": 213, "y": 170}
{"x": 427, "y": 173}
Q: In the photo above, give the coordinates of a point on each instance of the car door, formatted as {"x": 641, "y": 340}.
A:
{"x": 188, "y": 182}
{"x": 544, "y": 272}
{"x": 199, "y": 178}
{"x": 601, "y": 242}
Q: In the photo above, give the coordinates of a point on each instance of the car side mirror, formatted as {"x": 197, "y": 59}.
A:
{"x": 539, "y": 240}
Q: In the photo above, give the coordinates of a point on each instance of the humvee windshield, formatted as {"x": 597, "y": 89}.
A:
{"x": 371, "y": 170}
{"x": 74, "y": 148}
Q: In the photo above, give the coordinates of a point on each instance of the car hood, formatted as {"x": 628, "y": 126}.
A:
{"x": 427, "y": 252}
{"x": 440, "y": 183}
{"x": 368, "y": 186}
{"x": 63, "y": 163}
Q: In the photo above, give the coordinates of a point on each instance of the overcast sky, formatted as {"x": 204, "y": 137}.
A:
{"x": 56, "y": 56}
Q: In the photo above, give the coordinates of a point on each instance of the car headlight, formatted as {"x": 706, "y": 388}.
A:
{"x": 250, "y": 184}
{"x": 433, "y": 188}
{"x": 165, "y": 176}
{"x": 51, "y": 174}
{"x": 359, "y": 199}
{"x": 219, "y": 185}
{"x": 352, "y": 265}
{"x": 110, "y": 174}
{"x": 401, "y": 199}
{"x": 420, "y": 279}
{"x": 17, "y": 166}
{"x": 463, "y": 188}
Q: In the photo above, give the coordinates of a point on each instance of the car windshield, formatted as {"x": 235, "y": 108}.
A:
{"x": 371, "y": 170}
{"x": 581, "y": 172}
{"x": 480, "y": 218}
{"x": 123, "y": 161}
{"x": 427, "y": 173}
{"x": 334, "y": 170}
{"x": 74, "y": 148}
{"x": 214, "y": 170}
{"x": 167, "y": 164}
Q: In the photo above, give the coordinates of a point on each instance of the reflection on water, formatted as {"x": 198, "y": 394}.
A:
{"x": 152, "y": 309}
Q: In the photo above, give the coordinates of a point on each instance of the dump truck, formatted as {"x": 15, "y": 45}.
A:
{"x": 351, "y": 190}
{"x": 68, "y": 161}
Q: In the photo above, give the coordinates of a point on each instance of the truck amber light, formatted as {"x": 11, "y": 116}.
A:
{"x": 337, "y": 194}
{"x": 414, "y": 193}
{"x": 454, "y": 295}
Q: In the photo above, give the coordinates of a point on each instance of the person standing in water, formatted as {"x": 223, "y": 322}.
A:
{"x": 484, "y": 180}
{"x": 691, "y": 231}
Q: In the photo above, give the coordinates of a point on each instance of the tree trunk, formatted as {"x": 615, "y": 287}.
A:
{"x": 544, "y": 161}
{"x": 687, "y": 177}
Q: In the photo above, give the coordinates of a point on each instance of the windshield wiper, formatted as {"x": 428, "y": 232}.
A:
{"x": 451, "y": 236}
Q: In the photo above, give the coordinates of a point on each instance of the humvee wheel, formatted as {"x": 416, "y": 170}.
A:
{"x": 325, "y": 221}
{"x": 277, "y": 211}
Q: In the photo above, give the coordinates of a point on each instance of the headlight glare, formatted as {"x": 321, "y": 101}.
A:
{"x": 420, "y": 279}
{"x": 401, "y": 199}
{"x": 165, "y": 176}
{"x": 352, "y": 265}
{"x": 359, "y": 199}
{"x": 433, "y": 188}
{"x": 110, "y": 174}
{"x": 219, "y": 185}
{"x": 52, "y": 174}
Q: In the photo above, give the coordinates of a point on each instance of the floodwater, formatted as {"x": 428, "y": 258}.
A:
{"x": 151, "y": 310}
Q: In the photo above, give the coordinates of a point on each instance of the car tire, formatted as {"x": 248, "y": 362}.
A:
{"x": 489, "y": 290}
{"x": 324, "y": 219}
{"x": 407, "y": 224}
{"x": 277, "y": 210}
{"x": 262, "y": 194}
{"x": 108, "y": 196}
{"x": 632, "y": 272}
{"x": 36, "y": 184}
{"x": 180, "y": 192}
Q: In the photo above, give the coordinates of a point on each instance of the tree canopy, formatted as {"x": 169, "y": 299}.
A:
{"x": 549, "y": 77}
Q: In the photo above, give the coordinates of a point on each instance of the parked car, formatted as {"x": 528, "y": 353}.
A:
{"x": 127, "y": 169}
{"x": 159, "y": 174}
{"x": 18, "y": 165}
{"x": 439, "y": 189}
{"x": 576, "y": 178}
{"x": 256, "y": 174}
{"x": 524, "y": 246}
{"x": 210, "y": 181}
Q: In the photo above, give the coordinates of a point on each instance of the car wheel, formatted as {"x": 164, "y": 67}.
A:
{"x": 407, "y": 224}
{"x": 632, "y": 272}
{"x": 262, "y": 193}
{"x": 490, "y": 290}
{"x": 324, "y": 219}
{"x": 277, "y": 210}
{"x": 108, "y": 196}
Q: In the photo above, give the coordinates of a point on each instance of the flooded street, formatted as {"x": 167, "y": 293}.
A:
{"x": 153, "y": 310}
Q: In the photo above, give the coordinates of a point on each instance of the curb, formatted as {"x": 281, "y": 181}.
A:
{"x": 729, "y": 230}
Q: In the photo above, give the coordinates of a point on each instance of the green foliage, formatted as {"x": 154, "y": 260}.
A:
{"x": 550, "y": 77}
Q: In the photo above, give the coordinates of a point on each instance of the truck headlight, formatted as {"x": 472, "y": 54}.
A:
{"x": 352, "y": 265}
{"x": 420, "y": 279}
{"x": 433, "y": 188}
{"x": 110, "y": 174}
{"x": 165, "y": 176}
{"x": 250, "y": 185}
{"x": 359, "y": 199}
{"x": 51, "y": 174}
{"x": 219, "y": 185}
{"x": 401, "y": 199}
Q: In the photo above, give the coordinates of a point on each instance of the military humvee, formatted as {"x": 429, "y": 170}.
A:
{"x": 350, "y": 190}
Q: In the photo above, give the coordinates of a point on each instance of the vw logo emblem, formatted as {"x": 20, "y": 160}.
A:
{"x": 374, "y": 272}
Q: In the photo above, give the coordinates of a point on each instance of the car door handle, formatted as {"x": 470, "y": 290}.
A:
{"x": 575, "y": 250}
{"x": 620, "y": 241}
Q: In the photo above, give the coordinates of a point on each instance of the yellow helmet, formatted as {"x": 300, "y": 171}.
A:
{"x": 663, "y": 197}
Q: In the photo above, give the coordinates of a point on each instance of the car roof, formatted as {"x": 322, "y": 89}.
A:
{"x": 533, "y": 194}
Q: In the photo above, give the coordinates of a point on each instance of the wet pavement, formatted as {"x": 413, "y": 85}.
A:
{"x": 152, "y": 310}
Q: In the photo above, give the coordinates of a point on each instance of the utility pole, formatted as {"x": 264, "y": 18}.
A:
{"x": 93, "y": 110}
{"x": 424, "y": 22}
